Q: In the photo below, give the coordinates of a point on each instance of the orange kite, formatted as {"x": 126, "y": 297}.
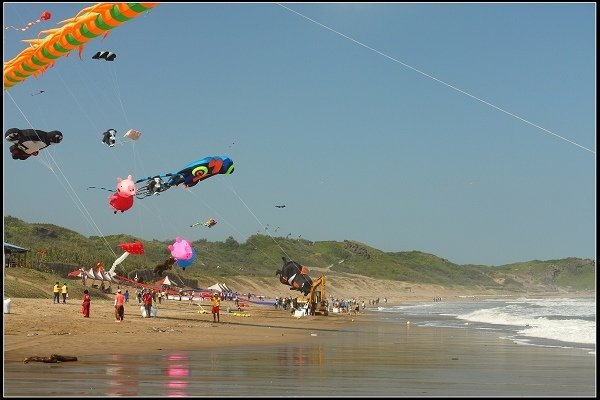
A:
{"x": 74, "y": 34}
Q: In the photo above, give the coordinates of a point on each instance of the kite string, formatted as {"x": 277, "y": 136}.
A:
{"x": 50, "y": 160}
{"x": 232, "y": 189}
{"x": 221, "y": 218}
{"x": 438, "y": 80}
{"x": 116, "y": 86}
{"x": 94, "y": 127}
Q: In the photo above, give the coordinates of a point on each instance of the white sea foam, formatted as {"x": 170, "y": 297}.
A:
{"x": 572, "y": 321}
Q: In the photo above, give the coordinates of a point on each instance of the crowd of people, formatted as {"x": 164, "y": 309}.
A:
{"x": 148, "y": 299}
{"x": 353, "y": 306}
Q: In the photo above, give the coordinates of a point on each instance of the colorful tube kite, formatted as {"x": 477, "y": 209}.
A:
{"x": 87, "y": 24}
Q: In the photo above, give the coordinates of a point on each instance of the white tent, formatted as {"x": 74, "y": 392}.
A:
{"x": 107, "y": 277}
{"x": 219, "y": 287}
{"x": 166, "y": 281}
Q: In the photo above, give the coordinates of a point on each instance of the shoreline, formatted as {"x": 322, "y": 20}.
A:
{"x": 36, "y": 327}
{"x": 182, "y": 353}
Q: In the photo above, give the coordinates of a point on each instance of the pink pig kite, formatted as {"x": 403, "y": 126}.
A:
{"x": 181, "y": 249}
{"x": 122, "y": 200}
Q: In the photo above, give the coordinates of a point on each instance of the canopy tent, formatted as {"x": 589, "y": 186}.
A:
{"x": 164, "y": 281}
{"x": 107, "y": 277}
{"x": 77, "y": 273}
{"x": 91, "y": 274}
{"x": 14, "y": 256}
{"x": 219, "y": 287}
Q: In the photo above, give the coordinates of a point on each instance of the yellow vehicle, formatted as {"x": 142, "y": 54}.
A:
{"x": 316, "y": 296}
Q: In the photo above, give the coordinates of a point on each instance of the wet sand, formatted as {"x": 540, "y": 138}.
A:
{"x": 271, "y": 353}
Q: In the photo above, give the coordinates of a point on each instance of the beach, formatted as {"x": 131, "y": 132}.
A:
{"x": 269, "y": 352}
{"x": 36, "y": 327}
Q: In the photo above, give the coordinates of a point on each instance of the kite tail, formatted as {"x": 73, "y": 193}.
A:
{"x": 94, "y": 187}
{"x": 118, "y": 261}
{"x": 29, "y": 25}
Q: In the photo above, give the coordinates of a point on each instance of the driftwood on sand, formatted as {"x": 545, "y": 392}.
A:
{"x": 54, "y": 358}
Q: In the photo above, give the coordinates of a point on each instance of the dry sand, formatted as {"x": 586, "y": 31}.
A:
{"x": 36, "y": 327}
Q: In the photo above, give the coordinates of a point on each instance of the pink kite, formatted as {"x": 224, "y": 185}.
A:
{"x": 122, "y": 199}
{"x": 181, "y": 249}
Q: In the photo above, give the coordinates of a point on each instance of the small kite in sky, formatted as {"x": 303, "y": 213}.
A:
{"x": 109, "y": 137}
{"x": 40, "y": 92}
{"x": 210, "y": 223}
{"x": 46, "y": 15}
{"x": 106, "y": 55}
{"x": 132, "y": 134}
{"x": 281, "y": 206}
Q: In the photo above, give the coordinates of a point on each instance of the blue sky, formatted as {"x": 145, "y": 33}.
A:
{"x": 467, "y": 131}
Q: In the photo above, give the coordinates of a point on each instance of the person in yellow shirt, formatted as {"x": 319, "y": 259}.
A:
{"x": 65, "y": 293}
{"x": 56, "y": 290}
{"x": 215, "y": 300}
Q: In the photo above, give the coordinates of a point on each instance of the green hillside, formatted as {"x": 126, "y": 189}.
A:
{"x": 260, "y": 256}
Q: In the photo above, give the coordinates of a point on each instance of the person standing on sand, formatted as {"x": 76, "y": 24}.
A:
{"x": 147, "y": 298}
{"x": 85, "y": 306}
{"x": 216, "y": 303}
{"x": 119, "y": 306}
{"x": 56, "y": 293}
{"x": 65, "y": 293}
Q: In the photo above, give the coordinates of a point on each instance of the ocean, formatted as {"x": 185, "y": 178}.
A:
{"x": 470, "y": 348}
{"x": 557, "y": 322}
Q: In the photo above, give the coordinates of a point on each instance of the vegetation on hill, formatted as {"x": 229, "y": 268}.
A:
{"x": 260, "y": 256}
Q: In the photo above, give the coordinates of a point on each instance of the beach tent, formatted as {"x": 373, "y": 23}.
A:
{"x": 97, "y": 275}
{"x": 164, "y": 281}
{"x": 90, "y": 274}
{"x": 219, "y": 287}
{"x": 107, "y": 277}
{"x": 75, "y": 274}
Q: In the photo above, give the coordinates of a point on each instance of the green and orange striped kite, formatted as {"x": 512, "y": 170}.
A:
{"x": 74, "y": 34}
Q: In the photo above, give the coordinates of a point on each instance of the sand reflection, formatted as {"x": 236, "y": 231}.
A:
{"x": 177, "y": 372}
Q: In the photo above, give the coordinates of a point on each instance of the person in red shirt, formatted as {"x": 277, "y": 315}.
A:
{"x": 119, "y": 306}
{"x": 216, "y": 303}
{"x": 147, "y": 299}
{"x": 85, "y": 306}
